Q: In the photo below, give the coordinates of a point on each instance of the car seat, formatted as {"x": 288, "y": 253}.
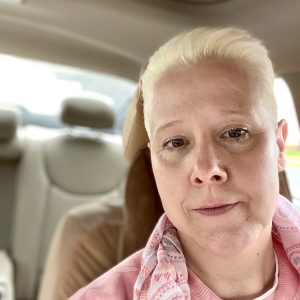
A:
{"x": 77, "y": 166}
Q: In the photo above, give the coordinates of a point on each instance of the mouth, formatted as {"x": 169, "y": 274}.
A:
{"x": 216, "y": 210}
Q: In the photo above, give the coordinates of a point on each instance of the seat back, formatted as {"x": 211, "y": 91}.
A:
{"x": 10, "y": 153}
{"x": 84, "y": 246}
{"x": 57, "y": 174}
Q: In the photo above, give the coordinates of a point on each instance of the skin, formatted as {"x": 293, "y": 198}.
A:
{"x": 213, "y": 143}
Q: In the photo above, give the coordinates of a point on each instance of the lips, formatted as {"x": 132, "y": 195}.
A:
{"x": 216, "y": 210}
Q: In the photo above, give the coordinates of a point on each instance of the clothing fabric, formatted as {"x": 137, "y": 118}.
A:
{"x": 160, "y": 272}
{"x": 288, "y": 286}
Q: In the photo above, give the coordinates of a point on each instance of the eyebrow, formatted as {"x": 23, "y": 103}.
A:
{"x": 167, "y": 125}
{"x": 223, "y": 110}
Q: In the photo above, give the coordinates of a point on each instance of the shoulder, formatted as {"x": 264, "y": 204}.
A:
{"x": 116, "y": 283}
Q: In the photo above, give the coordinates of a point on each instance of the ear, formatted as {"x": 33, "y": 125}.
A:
{"x": 281, "y": 136}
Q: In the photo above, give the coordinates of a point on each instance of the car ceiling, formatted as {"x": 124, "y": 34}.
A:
{"x": 117, "y": 36}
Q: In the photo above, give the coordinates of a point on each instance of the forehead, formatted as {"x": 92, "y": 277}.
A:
{"x": 213, "y": 76}
{"x": 211, "y": 92}
{"x": 219, "y": 83}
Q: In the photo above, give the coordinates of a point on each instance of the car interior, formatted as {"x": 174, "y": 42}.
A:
{"x": 71, "y": 204}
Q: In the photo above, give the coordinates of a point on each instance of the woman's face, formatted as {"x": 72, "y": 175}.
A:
{"x": 216, "y": 152}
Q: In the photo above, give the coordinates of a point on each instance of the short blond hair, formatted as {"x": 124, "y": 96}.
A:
{"x": 191, "y": 48}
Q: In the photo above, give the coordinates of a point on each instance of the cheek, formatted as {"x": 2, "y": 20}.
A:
{"x": 171, "y": 182}
{"x": 260, "y": 170}
{"x": 260, "y": 179}
{"x": 260, "y": 161}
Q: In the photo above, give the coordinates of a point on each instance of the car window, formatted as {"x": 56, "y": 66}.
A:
{"x": 286, "y": 110}
{"x": 38, "y": 88}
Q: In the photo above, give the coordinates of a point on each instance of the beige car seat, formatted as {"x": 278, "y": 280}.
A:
{"x": 57, "y": 174}
{"x": 10, "y": 154}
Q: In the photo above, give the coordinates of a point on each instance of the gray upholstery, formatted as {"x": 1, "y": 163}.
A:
{"x": 8, "y": 124}
{"x": 10, "y": 146}
{"x": 11, "y": 150}
{"x": 55, "y": 175}
{"x": 94, "y": 113}
{"x": 69, "y": 159}
{"x": 10, "y": 153}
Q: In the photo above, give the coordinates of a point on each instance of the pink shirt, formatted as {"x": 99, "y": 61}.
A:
{"x": 117, "y": 283}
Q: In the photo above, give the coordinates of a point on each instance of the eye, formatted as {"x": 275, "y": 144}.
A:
{"x": 174, "y": 144}
{"x": 236, "y": 133}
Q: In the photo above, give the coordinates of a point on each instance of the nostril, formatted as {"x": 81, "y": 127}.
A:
{"x": 198, "y": 180}
{"x": 209, "y": 177}
{"x": 217, "y": 178}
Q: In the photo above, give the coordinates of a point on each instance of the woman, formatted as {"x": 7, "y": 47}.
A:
{"x": 210, "y": 122}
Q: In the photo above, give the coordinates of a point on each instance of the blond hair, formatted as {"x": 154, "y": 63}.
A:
{"x": 202, "y": 43}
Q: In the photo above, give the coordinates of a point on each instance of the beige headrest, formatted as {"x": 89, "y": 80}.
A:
{"x": 88, "y": 112}
{"x": 8, "y": 124}
{"x": 68, "y": 158}
{"x": 135, "y": 137}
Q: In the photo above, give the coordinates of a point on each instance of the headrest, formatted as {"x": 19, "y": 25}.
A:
{"x": 94, "y": 112}
{"x": 68, "y": 158}
{"x": 8, "y": 124}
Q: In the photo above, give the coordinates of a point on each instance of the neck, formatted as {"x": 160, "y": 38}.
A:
{"x": 244, "y": 276}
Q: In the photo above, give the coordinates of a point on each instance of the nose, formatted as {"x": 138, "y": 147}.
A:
{"x": 207, "y": 170}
